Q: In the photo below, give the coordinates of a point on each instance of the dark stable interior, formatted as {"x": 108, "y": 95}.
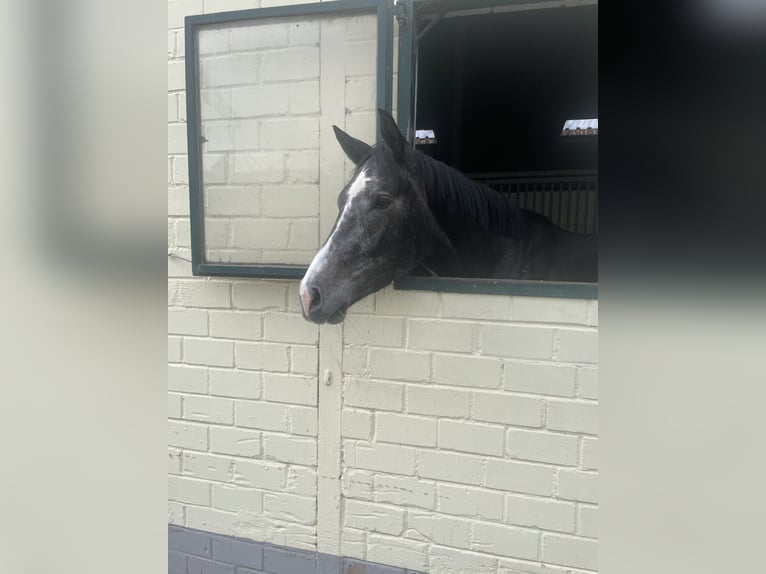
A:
{"x": 497, "y": 89}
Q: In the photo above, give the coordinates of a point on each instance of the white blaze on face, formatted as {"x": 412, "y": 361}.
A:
{"x": 356, "y": 188}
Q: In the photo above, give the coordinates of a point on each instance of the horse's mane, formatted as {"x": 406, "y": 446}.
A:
{"x": 462, "y": 205}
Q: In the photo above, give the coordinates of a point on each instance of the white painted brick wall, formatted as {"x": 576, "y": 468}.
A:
{"x": 468, "y": 422}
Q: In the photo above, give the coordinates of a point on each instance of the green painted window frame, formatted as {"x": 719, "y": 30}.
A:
{"x": 405, "y": 13}
{"x": 383, "y": 10}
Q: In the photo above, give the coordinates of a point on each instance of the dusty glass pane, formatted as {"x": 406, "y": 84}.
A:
{"x": 262, "y": 86}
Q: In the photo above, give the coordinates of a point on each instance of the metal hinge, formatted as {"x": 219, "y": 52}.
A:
{"x": 400, "y": 12}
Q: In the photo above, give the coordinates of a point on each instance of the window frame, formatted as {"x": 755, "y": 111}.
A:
{"x": 406, "y": 103}
{"x": 384, "y": 82}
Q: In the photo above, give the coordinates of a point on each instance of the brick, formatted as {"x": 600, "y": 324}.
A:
{"x": 178, "y": 203}
{"x": 253, "y": 38}
{"x": 373, "y": 394}
{"x": 539, "y": 378}
{"x": 303, "y": 33}
{"x": 453, "y": 561}
{"x": 407, "y": 303}
{"x": 572, "y": 416}
{"x": 236, "y": 498}
{"x": 469, "y": 437}
{"x": 235, "y": 325}
{"x": 291, "y": 389}
{"x": 174, "y": 461}
{"x": 290, "y": 449}
{"x": 260, "y": 415}
{"x": 575, "y": 485}
{"x": 399, "y": 365}
{"x": 404, "y": 491}
{"x": 238, "y": 552}
{"x": 196, "y": 293}
{"x": 570, "y": 551}
{"x": 214, "y": 168}
{"x": 303, "y": 167}
{"x": 473, "y": 306}
{"x": 294, "y": 64}
{"x": 427, "y": 400}
{"x": 303, "y": 98}
{"x": 403, "y": 429}
{"x": 257, "y": 101}
{"x": 357, "y": 484}
{"x": 174, "y": 406}
{"x": 517, "y": 342}
{"x": 505, "y": 540}
{"x": 259, "y": 295}
{"x": 512, "y": 410}
{"x": 261, "y": 233}
{"x": 587, "y": 382}
{"x": 376, "y": 331}
{"x": 397, "y": 552}
{"x": 439, "y": 529}
{"x": 206, "y": 466}
{"x": 577, "y": 346}
{"x": 216, "y": 104}
{"x": 209, "y": 409}
{"x": 359, "y": 61}
{"x": 176, "y": 563}
{"x": 385, "y": 458}
{"x": 176, "y": 513}
{"x": 187, "y": 322}
{"x": 467, "y": 371}
{"x": 360, "y": 93}
{"x": 236, "y": 384}
{"x": 549, "y": 310}
{"x": 373, "y": 517}
{"x": 587, "y": 521}
{"x": 181, "y": 174}
{"x": 301, "y": 480}
{"x": 290, "y": 201}
{"x": 290, "y": 508}
{"x": 520, "y": 477}
{"x": 303, "y": 420}
{"x": 304, "y": 360}
{"x": 290, "y": 134}
{"x": 188, "y": 490}
{"x": 213, "y": 40}
{"x": 353, "y": 542}
{"x": 290, "y": 328}
{"x": 189, "y": 379}
{"x": 256, "y": 167}
{"x": 589, "y": 459}
{"x": 261, "y": 356}
{"x": 467, "y": 501}
{"x": 174, "y": 349}
{"x": 210, "y": 519}
{"x": 231, "y": 201}
{"x": 209, "y": 352}
{"x": 204, "y": 566}
{"x": 542, "y": 447}
{"x": 260, "y": 474}
{"x": 540, "y": 513}
{"x": 189, "y": 542}
{"x": 356, "y": 424}
{"x": 440, "y": 335}
{"x": 185, "y": 435}
{"x": 228, "y": 70}
{"x": 304, "y": 234}
{"x": 176, "y": 81}
{"x": 450, "y": 466}
{"x": 279, "y": 561}
{"x": 238, "y": 442}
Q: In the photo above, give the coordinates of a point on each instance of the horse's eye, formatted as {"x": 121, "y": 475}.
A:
{"x": 381, "y": 201}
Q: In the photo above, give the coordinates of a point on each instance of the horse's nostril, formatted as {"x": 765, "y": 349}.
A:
{"x": 316, "y": 299}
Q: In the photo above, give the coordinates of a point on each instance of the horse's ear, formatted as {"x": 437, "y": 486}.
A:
{"x": 393, "y": 137}
{"x": 355, "y": 149}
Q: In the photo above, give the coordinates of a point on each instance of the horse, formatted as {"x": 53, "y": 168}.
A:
{"x": 404, "y": 210}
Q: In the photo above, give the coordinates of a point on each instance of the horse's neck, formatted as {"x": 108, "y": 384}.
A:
{"x": 468, "y": 209}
